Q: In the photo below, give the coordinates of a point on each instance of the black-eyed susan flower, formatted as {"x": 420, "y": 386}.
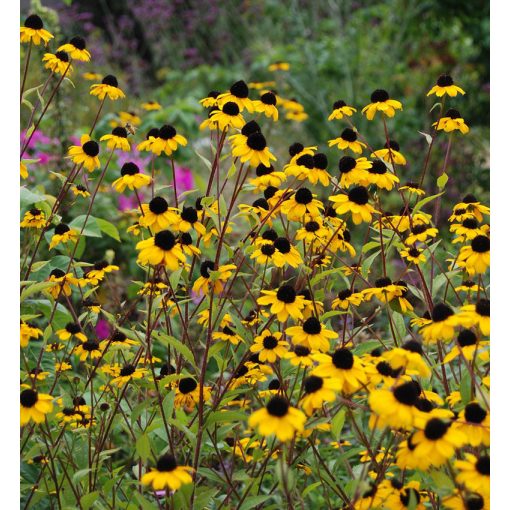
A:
{"x": 356, "y": 203}
{"x": 91, "y": 305}
{"x": 131, "y": 178}
{"x": 86, "y": 153}
{"x": 311, "y": 334}
{"x": 344, "y": 366}
{"x": 64, "y": 282}
{"x": 90, "y": 349}
{"x": 207, "y": 282}
{"x": 167, "y": 141}
{"x": 284, "y": 302}
{"x": 442, "y": 326}
{"x": 348, "y": 140}
{"x": 384, "y": 290}
{"x": 126, "y": 374}
{"x": 33, "y": 31}
{"x": 474, "y": 473}
{"x": 414, "y": 255}
{"x": 186, "y": 220}
{"x": 341, "y": 109}
{"x": 168, "y": 474}
{"x": 279, "y": 66}
{"x": 347, "y": 298}
{"x": 445, "y": 85}
{"x": 267, "y": 176}
{"x": 157, "y": 216}
{"x": 474, "y": 422}
{"x": 63, "y": 234}
{"x": 58, "y": 63}
{"x": 71, "y": 330}
{"x": 34, "y": 406}
{"x": 269, "y": 346}
{"x": 150, "y": 139}
{"x": 380, "y": 175}
{"x": 457, "y": 501}
{"x": 109, "y": 86}
{"x": 421, "y": 232}
{"x": 98, "y": 271}
{"x": 162, "y": 248}
{"x": 228, "y": 116}
{"x": 119, "y": 339}
{"x": 91, "y": 76}
{"x": 34, "y": 218}
{"x": 313, "y": 233}
{"x": 380, "y": 101}
{"x": 239, "y": 95}
{"x": 353, "y": 171}
{"x": 468, "y": 229}
{"x": 390, "y": 153}
{"x": 211, "y": 100}
{"x": 80, "y": 191}
{"x": 300, "y": 167}
{"x": 478, "y": 314}
{"x": 118, "y": 139}
{"x": 407, "y": 497}
{"x": 297, "y": 149}
{"x": 77, "y": 49}
{"x": 300, "y": 356}
{"x": 412, "y": 188}
{"x": 227, "y": 334}
{"x": 267, "y": 105}
{"x": 285, "y": 253}
{"x": 395, "y": 407}
{"x": 261, "y": 209}
{"x": 408, "y": 358}
{"x": 294, "y": 110}
{"x": 278, "y": 419}
{"x": 467, "y": 346}
{"x": 239, "y": 139}
{"x": 319, "y": 390}
{"x": 452, "y": 121}
{"x": 28, "y": 331}
{"x": 186, "y": 242}
{"x": 475, "y": 258}
{"x": 151, "y": 106}
{"x": 470, "y": 206}
{"x": 187, "y": 393}
{"x": 302, "y": 205}
{"x": 255, "y": 151}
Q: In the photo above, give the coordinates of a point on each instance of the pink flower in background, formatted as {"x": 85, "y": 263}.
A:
{"x": 127, "y": 203}
{"x": 103, "y": 329}
{"x": 142, "y": 163}
{"x": 75, "y": 140}
{"x": 184, "y": 179}
{"x": 38, "y": 137}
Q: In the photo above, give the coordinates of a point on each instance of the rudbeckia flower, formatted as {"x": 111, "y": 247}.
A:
{"x": 284, "y": 253}
{"x": 278, "y": 418}
{"x": 267, "y": 176}
{"x": 269, "y": 346}
{"x": 167, "y": 475}
{"x": 89, "y": 349}
{"x": 468, "y": 208}
{"x": 296, "y": 150}
{"x": 379, "y": 175}
{"x": 380, "y": 101}
{"x": 261, "y": 209}
{"x": 478, "y": 314}
{"x": 167, "y": 141}
{"x": 300, "y": 167}
{"x": 187, "y": 394}
{"x": 313, "y": 233}
{"x": 127, "y": 373}
{"x": 161, "y": 249}
{"x": 34, "y": 406}
{"x": 266, "y": 105}
{"x": 109, "y": 86}
{"x": 157, "y": 216}
{"x": 279, "y": 66}
{"x": 58, "y": 63}
{"x": 312, "y": 335}
{"x": 97, "y": 272}
{"x": 445, "y": 85}
{"x": 228, "y": 116}
{"x": 302, "y": 206}
{"x": 34, "y": 218}
{"x": 474, "y": 422}
{"x": 456, "y": 501}
{"x": 347, "y": 298}
{"x": 300, "y": 356}
{"x": 353, "y": 171}
{"x": 117, "y": 139}
{"x": 77, "y": 49}
{"x": 211, "y": 100}
{"x": 468, "y": 230}
{"x": 468, "y": 346}
{"x": 420, "y": 232}
{"x": 240, "y": 139}
{"x": 344, "y": 366}
{"x": 255, "y": 151}
{"x": 131, "y": 178}
{"x": 413, "y": 188}
{"x": 64, "y": 280}
{"x": 355, "y": 203}
{"x": 391, "y": 154}
{"x": 33, "y": 31}
{"x": 80, "y": 190}
{"x": 395, "y": 407}
{"x": 71, "y": 329}
{"x": 28, "y": 331}
{"x": 85, "y": 153}
{"x": 63, "y": 234}
{"x": 475, "y": 258}
{"x": 442, "y": 326}
{"x": 408, "y": 357}
{"x": 452, "y": 121}
{"x": 186, "y": 220}
{"x": 340, "y": 108}
{"x": 474, "y": 473}
{"x": 317, "y": 391}
{"x": 284, "y": 302}
{"x": 227, "y": 334}
{"x": 205, "y": 281}
{"x": 150, "y": 139}
{"x": 348, "y": 140}
{"x": 91, "y": 76}
{"x": 414, "y": 255}
{"x": 151, "y": 106}
{"x": 238, "y": 94}
{"x": 23, "y": 170}
{"x": 119, "y": 339}
{"x": 384, "y": 290}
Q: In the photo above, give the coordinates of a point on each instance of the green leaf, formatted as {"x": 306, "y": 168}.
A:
{"x": 143, "y": 447}
{"x": 81, "y": 474}
{"x": 88, "y": 500}
{"x": 35, "y": 288}
{"x": 254, "y": 501}
{"x": 400, "y": 325}
{"x": 179, "y": 346}
{"x": 144, "y": 502}
{"x": 424, "y": 201}
{"x": 442, "y": 180}
{"x": 28, "y": 197}
{"x": 91, "y": 226}
{"x": 225, "y": 417}
{"x": 337, "y": 423}
{"x": 465, "y": 388}
{"x": 108, "y": 228}
{"x": 206, "y": 162}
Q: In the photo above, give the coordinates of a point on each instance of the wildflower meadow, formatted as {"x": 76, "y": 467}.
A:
{"x": 243, "y": 291}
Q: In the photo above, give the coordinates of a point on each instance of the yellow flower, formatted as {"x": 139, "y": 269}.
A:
{"x": 79, "y": 190}
{"x": 76, "y": 48}
{"x": 33, "y": 31}
{"x": 71, "y": 329}
{"x": 408, "y": 357}
{"x": 34, "y": 406}
{"x": 86, "y": 153}
{"x": 161, "y": 249}
{"x": 284, "y": 302}
{"x": 28, "y": 331}
{"x": 279, "y": 66}
{"x": 355, "y": 203}
{"x": 266, "y": 105}
{"x": 474, "y": 473}
{"x": 89, "y": 349}
{"x": 340, "y": 108}
{"x": 278, "y": 418}
{"x": 269, "y": 346}
{"x": 168, "y": 475}
{"x": 157, "y": 216}
{"x": 91, "y": 76}
{"x": 348, "y": 140}
{"x": 312, "y": 334}
{"x": 414, "y": 255}
{"x": 228, "y": 116}
{"x": 187, "y": 394}
{"x": 151, "y": 106}
{"x": 474, "y": 422}
{"x": 347, "y": 298}
{"x": 64, "y": 283}
{"x": 391, "y": 153}
{"x": 211, "y": 100}
{"x": 442, "y": 326}
{"x": 445, "y": 85}
{"x": 302, "y": 206}
{"x": 452, "y": 121}
{"x": 63, "y": 234}
{"x": 380, "y": 175}
{"x": 380, "y": 101}
{"x": 475, "y": 258}
{"x": 109, "y": 86}
{"x": 412, "y": 188}
{"x": 117, "y": 139}
{"x": 317, "y": 391}
{"x": 255, "y": 151}
{"x": 167, "y": 141}
{"x": 34, "y": 218}
{"x": 131, "y": 178}
{"x": 58, "y": 62}
{"x": 238, "y": 94}
{"x": 126, "y": 374}
{"x": 206, "y": 281}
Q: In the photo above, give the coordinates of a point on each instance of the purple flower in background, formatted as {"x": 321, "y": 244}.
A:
{"x": 103, "y": 329}
{"x": 127, "y": 203}
{"x": 183, "y": 179}
{"x": 38, "y": 137}
{"x": 142, "y": 163}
